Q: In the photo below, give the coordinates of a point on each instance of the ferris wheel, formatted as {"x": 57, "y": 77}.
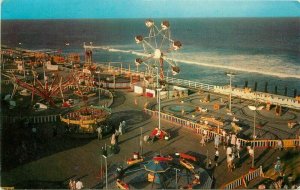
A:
{"x": 158, "y": 49}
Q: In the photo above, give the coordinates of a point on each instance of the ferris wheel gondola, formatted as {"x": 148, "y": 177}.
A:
{"x": 158, "y": 49}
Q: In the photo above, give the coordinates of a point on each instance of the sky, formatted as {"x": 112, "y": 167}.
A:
{"x": 77, "y": 9}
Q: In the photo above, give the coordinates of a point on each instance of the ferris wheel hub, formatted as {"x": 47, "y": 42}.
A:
{"x": 157, "y": 54}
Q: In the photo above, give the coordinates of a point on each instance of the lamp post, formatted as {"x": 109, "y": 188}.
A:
{"x": 98, "y": 72}
{"x": 23, "y": 64}
{"x": 254, "y": 108}
{"x": 158, "y": 95}
{"x": 157, "y": 82}
{"x": 182, "y": 107}
{"x": 105, "y": 171}
{"x": 230, "y": 79}
{"x": 176, "y": 170}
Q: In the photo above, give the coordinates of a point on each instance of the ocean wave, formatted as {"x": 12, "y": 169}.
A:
{"x": 261, "y": 64}
{"x": 245, "y": 69}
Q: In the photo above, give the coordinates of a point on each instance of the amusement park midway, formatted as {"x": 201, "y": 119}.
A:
{"x": 73, "y": 123}
{"x": 80, "y": 159}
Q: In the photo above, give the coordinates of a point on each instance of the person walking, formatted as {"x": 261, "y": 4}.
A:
{"x": 124, "y": 126}
{"x": 233, "y": 161}
{"x": 251, "y": 153}
{"x": 224, "y": 138}
{"x": 205, "y": 135}
{"x": 79, "y": 185}
{"x": 229, "y": 162}
{"x": 202, "y": 142}
{"x": 121, "y": 128}
{"x": 233, "y": 139}
{"x": 217, "y": 154}
{"x": 228, "y": 138}
{"x": 228, "y": 151}
{"x": 117, "y": 133}
{"x": 99, "y": 131}
{"x": 71, "y": 184}
{"x": 113, "y": 139}
{"x": 238, "y": 147}
{"x": 277, "y": 166}
{"x": 279, "y": 145}
{"x": 217, "y": 141}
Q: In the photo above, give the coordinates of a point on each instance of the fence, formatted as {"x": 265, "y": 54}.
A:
{"x": 199, "y": 128}
{"x": 242, "y": 181}
{"x": 190, "y": 84}
{"x": 31, "y": 119}
{"x": 211, "y": 132}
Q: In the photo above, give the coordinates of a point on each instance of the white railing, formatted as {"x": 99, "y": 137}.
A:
{"x": 242, "y": 181}
{"x": 260, "y": 96}
{"x": 211, "y": 132}
{"x": 190, "y": 84}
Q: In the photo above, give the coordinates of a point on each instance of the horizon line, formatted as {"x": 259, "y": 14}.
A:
{"x": 112, "y": 18}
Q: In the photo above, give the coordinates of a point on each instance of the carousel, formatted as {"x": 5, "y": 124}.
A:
{"x": 87, "y": 118}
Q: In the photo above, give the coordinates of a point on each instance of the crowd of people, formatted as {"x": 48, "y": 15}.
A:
{"x": 75, "y": 185}
{"x": 231, "y": 144}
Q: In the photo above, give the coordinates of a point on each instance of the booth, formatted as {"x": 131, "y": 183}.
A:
{"x": 150, "y": 93}
{"x": 138, "y": 89}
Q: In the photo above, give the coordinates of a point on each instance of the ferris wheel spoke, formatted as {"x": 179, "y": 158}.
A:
{"x": 170, "y": 62}
{"x": 149, "y": 45}
{"x": 158, "y": 50}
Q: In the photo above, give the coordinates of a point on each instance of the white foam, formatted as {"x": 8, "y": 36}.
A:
{"x": 261, "y": 64}
{"x": 282, "y": 75}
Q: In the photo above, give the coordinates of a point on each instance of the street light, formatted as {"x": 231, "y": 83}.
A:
{"x": 158, "y": 95}
{"x": 157, "y": 82}
{"x": 105, "y": 171}
{"x": 98, "y": 72}
{"x": 177, "y": 170}
{"x": 254, "y": 108}
{"x": 230, "y": 78}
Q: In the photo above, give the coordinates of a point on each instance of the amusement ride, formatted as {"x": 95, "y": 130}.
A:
{"x": 158, "y": 48}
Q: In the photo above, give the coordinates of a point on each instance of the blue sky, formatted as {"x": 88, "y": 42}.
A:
{"x": 75, "y": 9}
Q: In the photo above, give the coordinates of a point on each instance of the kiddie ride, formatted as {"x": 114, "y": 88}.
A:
{"x": 136, "y": 158}
{"x": 87, "y": 118}
{"x": 158, "y": 134}
{"x": 161, "y": 171}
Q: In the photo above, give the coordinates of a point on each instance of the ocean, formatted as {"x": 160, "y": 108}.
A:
{"x": 255, "y": 49}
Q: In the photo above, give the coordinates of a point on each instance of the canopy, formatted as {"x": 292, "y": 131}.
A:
{"x": 156, "y": 166}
